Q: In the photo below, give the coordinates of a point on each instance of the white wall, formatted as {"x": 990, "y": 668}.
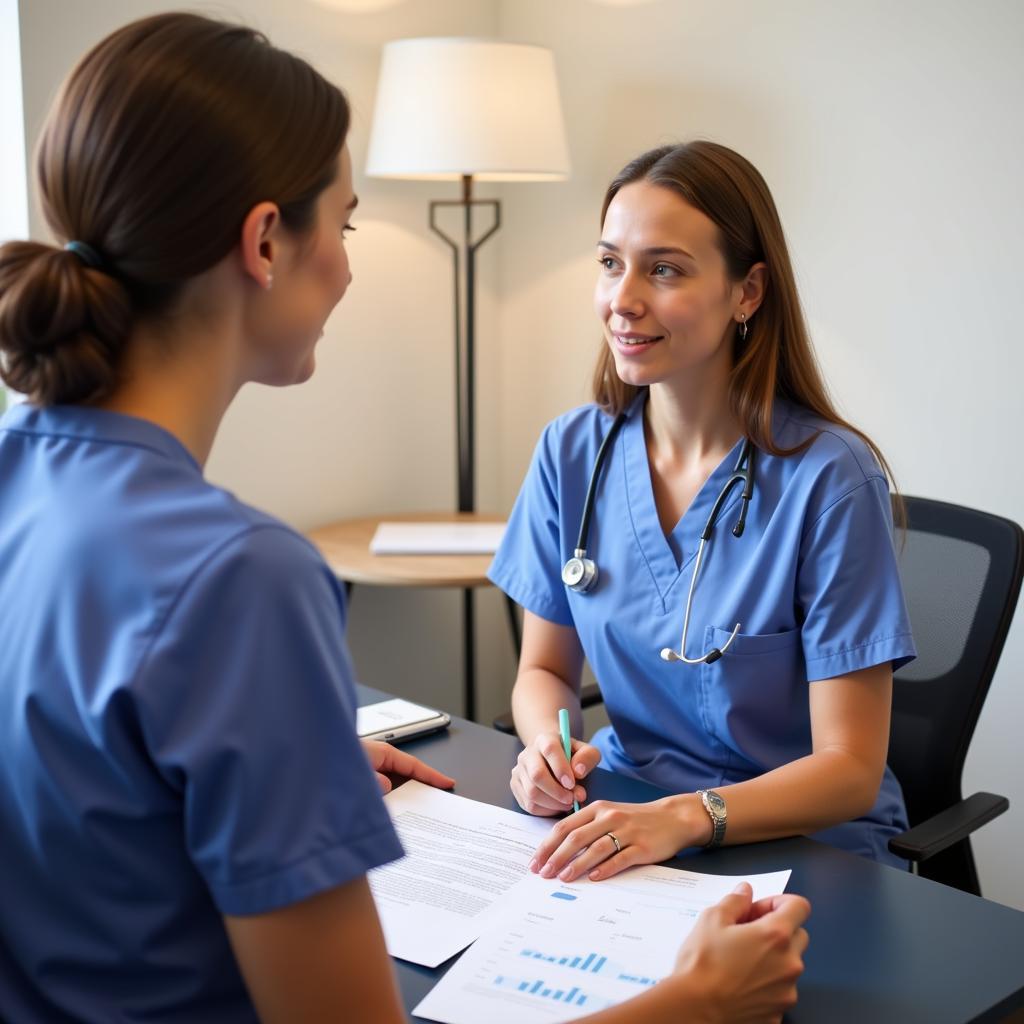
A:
{"x": 13, "y": 193}
{"x": 374, "y": 430}
{"x": 13, "y": 187}
{"x": 891, "y": 137}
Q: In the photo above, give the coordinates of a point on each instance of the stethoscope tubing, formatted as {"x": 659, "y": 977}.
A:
{"x": 595, "y": 476}
{"x": 743, "y": 473}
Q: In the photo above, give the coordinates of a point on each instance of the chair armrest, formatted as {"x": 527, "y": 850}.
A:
{"x": 947, "y": 827}
{"x": 589, "y": 696}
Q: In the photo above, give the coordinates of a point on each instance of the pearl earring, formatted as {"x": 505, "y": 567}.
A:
{"x": 270, "y": 282}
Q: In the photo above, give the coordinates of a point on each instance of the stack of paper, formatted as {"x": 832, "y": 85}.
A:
{"x": 543, "y": 950}
{"x": 437, "y": 538}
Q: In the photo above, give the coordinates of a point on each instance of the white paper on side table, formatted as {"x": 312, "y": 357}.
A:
{"x": 568, "y": 950}
{"x": 462, "y": 857}
{"x": 437, "y": 538}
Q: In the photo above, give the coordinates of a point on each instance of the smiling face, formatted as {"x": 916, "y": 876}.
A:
{"x": 664, "y": 298}
{"x": 311, "y": 280}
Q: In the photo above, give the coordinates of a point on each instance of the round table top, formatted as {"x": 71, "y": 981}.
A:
{"x": 345, "y": 546}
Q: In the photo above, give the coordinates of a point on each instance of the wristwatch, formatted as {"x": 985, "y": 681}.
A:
{"x": 715, "y": 806}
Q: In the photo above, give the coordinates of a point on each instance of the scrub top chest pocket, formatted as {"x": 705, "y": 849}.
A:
{"x": 754, "y": 699}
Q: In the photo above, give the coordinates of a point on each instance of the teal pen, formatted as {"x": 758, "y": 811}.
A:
{"x": 563, "y": 728}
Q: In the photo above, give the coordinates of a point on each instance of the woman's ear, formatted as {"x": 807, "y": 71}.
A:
{"x": 752, "y": 289}
{"x": 260, "y": 243}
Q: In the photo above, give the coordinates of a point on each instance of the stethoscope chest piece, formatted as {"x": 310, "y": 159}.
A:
{"x": 579, "y": 573}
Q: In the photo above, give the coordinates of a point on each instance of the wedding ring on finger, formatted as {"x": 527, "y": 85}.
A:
{"x": 611, "y": 836}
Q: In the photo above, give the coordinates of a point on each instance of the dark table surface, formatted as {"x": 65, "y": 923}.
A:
{"x": 886, "y": 946}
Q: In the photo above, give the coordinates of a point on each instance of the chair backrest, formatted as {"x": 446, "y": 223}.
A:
{"x": 961, "y": 572}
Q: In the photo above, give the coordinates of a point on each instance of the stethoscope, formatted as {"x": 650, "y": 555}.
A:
{"x": 580, "y": 573}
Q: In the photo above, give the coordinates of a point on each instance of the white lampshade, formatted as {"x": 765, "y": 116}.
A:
{"x": 449, "y": 107}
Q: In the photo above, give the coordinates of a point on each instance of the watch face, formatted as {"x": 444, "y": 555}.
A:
{"x": 716, "y": 803}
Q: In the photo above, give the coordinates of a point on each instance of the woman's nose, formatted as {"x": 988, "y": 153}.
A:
{"x": 626, "y": 299}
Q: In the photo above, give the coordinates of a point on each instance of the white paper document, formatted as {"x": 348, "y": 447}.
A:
{"x": 437, "y": 538}
{"x": 461, "y": 858}
{"x": 567, "y": 950}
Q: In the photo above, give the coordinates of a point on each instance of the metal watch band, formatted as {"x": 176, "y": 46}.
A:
{"x": 718, "y": 820}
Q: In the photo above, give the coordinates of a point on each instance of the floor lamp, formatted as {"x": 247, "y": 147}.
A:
{"x": 467, "y": 110}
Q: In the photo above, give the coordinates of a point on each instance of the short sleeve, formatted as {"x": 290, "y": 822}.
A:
{"x": 247, "y": 706}
{"x": 528, "y": 564}
{"x": 849, "y": 591}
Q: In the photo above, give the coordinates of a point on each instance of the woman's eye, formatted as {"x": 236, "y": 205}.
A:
{"x": 346, "y": 229}
{"x": 607, "y": 262}
{"x": 664, "y": 270}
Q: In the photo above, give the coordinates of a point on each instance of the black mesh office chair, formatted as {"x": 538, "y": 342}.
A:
{"x": 961, "y": 573}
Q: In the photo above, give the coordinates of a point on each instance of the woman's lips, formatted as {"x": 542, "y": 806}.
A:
{"x": 631, "y": 344}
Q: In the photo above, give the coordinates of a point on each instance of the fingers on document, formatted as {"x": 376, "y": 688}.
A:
{"x": 736, "y": 907}
{"x": 560, "y": 833}
{"x": 619, "y": 861}
{"x": 581, "y": 842}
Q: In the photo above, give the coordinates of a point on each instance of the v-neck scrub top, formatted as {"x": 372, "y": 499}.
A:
{"x": 177, "y": 726}
{"x": 813, "y": 581}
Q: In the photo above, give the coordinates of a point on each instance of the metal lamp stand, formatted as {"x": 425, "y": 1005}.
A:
{"x": 464, "y": 251}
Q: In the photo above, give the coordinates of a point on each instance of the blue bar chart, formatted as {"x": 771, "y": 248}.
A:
{"x": 574, "y": 996}
{"x": 592, "y": 963}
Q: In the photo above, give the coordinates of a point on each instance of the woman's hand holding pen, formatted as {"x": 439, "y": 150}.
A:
{"x": 390, "y": 763}
{"x": 544, "y": 781}
{"x": 604, "y": 838}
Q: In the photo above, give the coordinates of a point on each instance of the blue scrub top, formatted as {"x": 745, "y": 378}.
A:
{"x": 813, "y": 581}
{"x": 177, "y": 733}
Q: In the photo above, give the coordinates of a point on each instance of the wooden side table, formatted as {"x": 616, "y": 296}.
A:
{"x": 345, "y": 546}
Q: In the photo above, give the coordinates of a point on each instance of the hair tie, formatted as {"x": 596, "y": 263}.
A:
{"x": 88, "y": 255}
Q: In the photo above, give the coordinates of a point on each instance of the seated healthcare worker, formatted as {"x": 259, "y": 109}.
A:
{"x": 790, "y": 617}
{"x": 186, "y": 814}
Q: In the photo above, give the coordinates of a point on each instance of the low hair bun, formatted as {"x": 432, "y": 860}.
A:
{"x": 63, "y": 325}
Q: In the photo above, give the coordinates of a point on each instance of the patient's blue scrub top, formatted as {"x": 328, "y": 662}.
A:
{"x": 813, "y": 581}
{"x": 177, "y": 733}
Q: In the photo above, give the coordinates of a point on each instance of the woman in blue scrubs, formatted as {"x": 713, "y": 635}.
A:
{"x": 786, "y": 730}
{"x": 186, "y": 814}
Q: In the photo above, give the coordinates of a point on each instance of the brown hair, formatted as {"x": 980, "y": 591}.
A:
{"x": 776, "y": 359}
{"x": 163, "y": 138}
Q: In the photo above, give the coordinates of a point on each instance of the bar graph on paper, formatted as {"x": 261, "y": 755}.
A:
{"x": 557, "y": 984}
{"x": 577, "y": 995}
{"x": 592, "y": 963}
{"x": 538, "y": 989}
{"x": 571, "y": 950}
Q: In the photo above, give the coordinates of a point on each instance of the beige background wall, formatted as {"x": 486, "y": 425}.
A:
{"x": 890, "y": 135}
{"x": 13, "y": 205}
{"x": 374, "y": 429}
{"x": 891, "y": 138}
